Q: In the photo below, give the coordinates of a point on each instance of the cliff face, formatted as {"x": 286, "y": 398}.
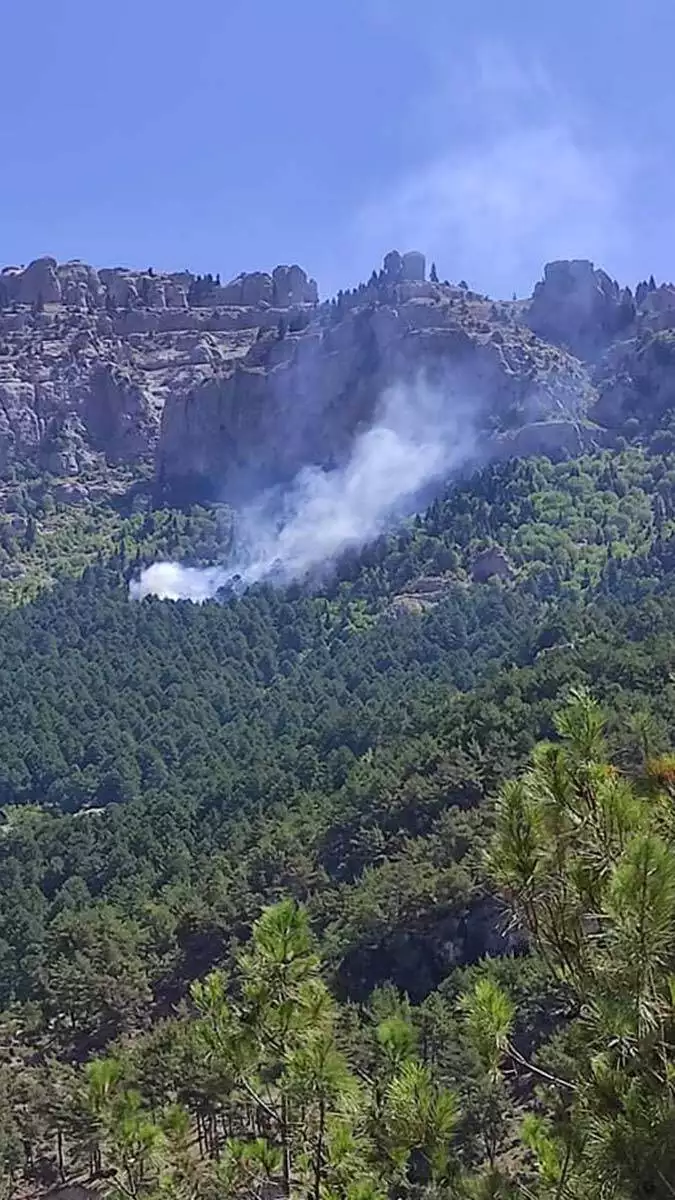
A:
{"x": 220, "y": 386}
{"x": 301, "y": 397}
{"x": 88, "y": 358}
{"x": 580, "y": 307}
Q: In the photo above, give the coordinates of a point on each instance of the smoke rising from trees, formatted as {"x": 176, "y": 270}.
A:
{"x": 421, "y": 433}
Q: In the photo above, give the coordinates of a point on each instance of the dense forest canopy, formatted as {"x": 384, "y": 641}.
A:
{"x": 274, "y": 921}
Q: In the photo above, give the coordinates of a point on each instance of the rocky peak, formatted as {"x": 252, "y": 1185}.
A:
{"x": 298, "y": 395}
{"x": 76, "y": 284}
{"x": 291, "y": 286}
{"x": 88, "y": 357}
{"x": 220, "y": 383}
{"x": 656, "y": 306}
{"x": 579, "y": 306}
{"x": 410, "y": 267}
{"x": 38, "y": 281}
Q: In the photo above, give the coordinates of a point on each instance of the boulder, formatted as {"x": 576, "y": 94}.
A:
{"x": 40, "y": 282}
{"x": 182, "y": 279}
{"x": 416, "y": 956}
{"x": 256, "y": 288}
{"x": 75, "y": 294}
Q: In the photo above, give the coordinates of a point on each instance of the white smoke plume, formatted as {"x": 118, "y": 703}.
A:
{"x": 421, "y": 434}
{"x": 509, "y": 176}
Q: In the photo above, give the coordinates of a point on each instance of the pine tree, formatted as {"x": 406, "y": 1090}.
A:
{"x": 586, "y": 858}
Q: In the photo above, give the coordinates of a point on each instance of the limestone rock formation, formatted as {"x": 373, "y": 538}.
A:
{"x": 223, "y": 386}
{"x": 291, "y": 286}
{"x": 248, "y": 289}
{"x": 423, "y": 594}
{"x": 19, "y": 424}
{"x": 80, "y": 285}
{"x": 70, "y": 493}
{"x": 404, "y": 268}
{"x": 636, "y": 381}
{"x": 301, "y": 398}
{"x": 579, "y": 306}
{"x": 38, "y": 283}
{"x": 88, "y": 357}
{"x": 414, "y": 267}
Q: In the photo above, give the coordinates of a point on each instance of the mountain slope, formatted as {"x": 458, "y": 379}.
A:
{"x": 167, "y": 770}
{"x": 223, "y": 387}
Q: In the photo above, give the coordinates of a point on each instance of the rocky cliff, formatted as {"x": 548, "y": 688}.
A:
{"x": 220, "y": 385}
{"x": 88, "y": 358}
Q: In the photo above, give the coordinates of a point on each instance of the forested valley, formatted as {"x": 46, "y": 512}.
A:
{"x": 358, "y": 890}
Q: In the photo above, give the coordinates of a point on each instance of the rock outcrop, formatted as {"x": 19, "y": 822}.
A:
{"x": 300, "y": 398}
{"x": 38, "y": 283}
{"x": 636, "y": 382}
{"x": 222, "y": 386}
{"x": 88, "y": 357}
{"x": 404, "y": 268}
{"x": 291, "y": 286}
{"x": 556, "y": 439}
{"x": 579, "y": 306}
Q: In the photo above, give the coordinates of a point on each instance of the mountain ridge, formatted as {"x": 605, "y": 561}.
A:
{"x": 217, "y": 388}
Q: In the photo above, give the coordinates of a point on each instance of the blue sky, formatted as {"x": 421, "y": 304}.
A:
{"x": 230, "y": 135}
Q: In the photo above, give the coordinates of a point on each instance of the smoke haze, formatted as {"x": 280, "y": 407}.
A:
{"x": 420, "y": 434}
{"x": 509, "y": 176}
{"x": 506, "y": 178}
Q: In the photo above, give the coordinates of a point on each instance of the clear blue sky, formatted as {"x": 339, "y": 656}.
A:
{"x": 226, "y": 135}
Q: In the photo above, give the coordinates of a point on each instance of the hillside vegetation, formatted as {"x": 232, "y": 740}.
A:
{"x": 274, "y": 921}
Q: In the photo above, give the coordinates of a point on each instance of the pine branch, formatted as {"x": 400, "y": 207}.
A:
{"x": 538, "y": 1070}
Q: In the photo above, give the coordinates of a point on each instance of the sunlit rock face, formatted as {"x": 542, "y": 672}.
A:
{"x": 220, "y": 384}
